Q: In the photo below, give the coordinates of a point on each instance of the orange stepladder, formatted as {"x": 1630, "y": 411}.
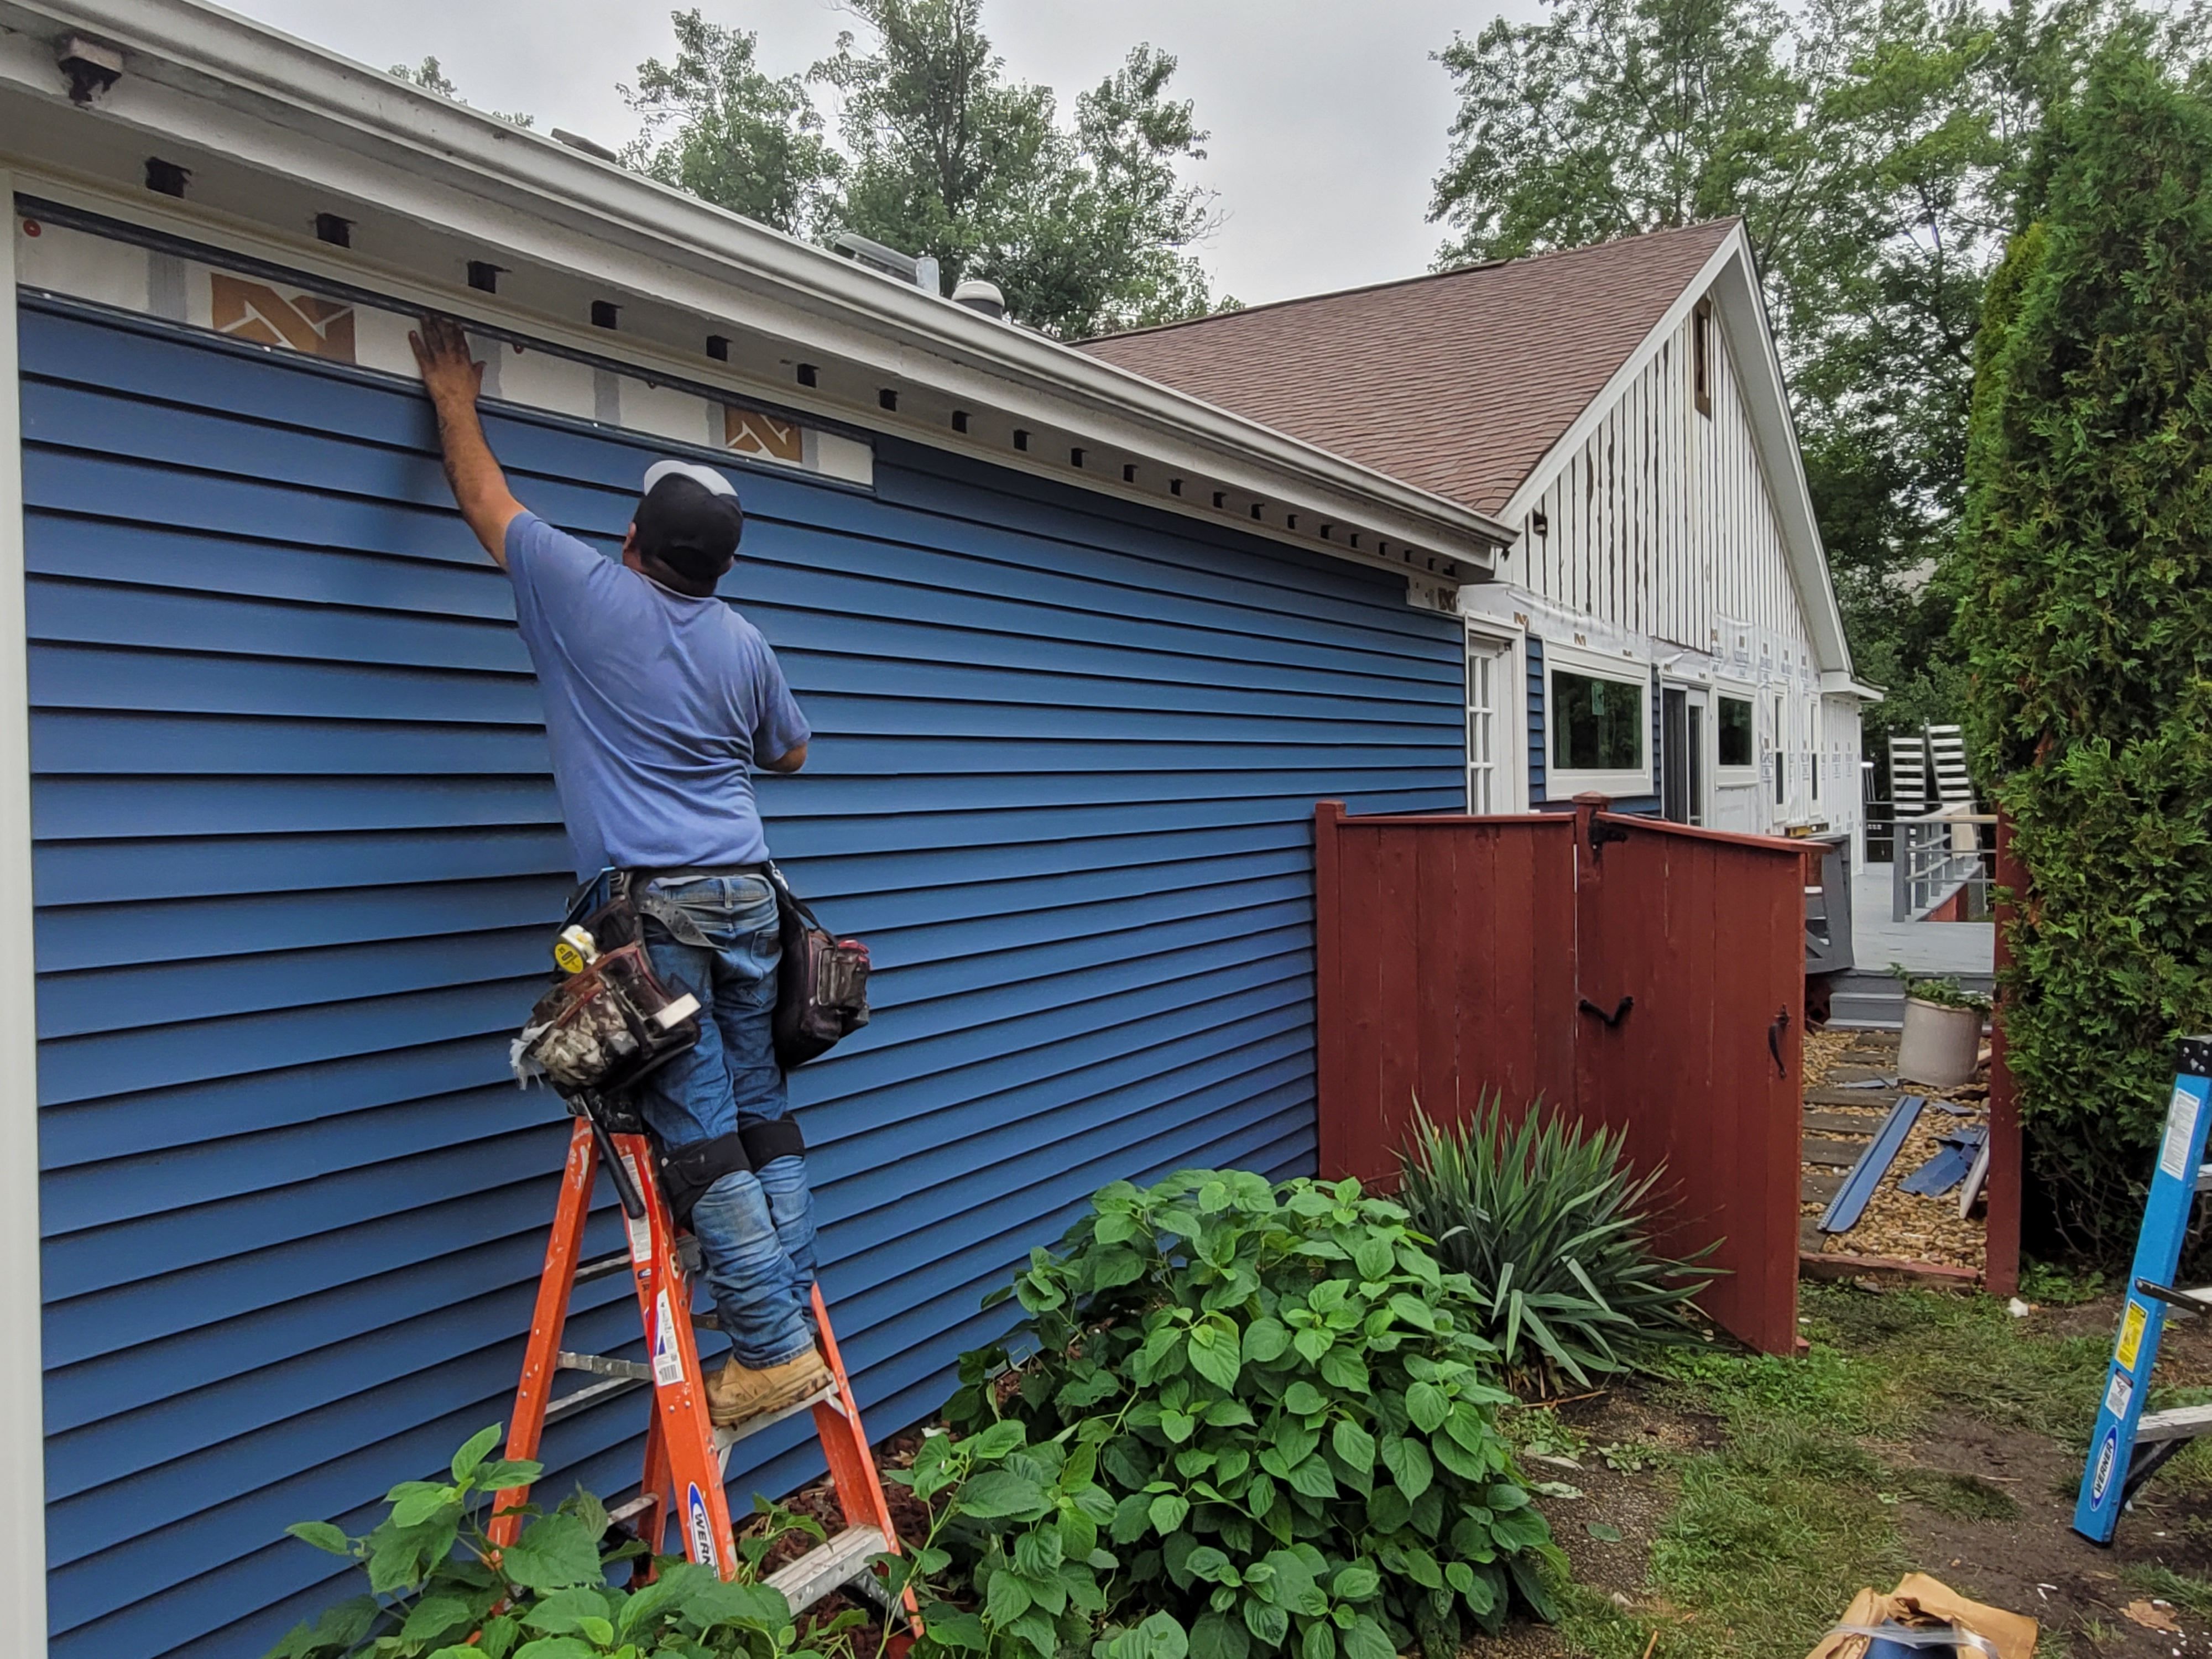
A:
{"x": 685, "y": 1455}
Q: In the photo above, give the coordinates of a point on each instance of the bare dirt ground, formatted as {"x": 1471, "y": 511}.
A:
{"x": 2018, "y": 1552}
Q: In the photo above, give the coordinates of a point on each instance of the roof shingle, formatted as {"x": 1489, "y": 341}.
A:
{"x": 1458, "y": 382}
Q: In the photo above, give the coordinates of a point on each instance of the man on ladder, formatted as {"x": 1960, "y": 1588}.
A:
{"x": 661, "y": 700}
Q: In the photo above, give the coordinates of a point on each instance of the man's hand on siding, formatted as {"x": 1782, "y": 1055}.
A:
{"x": 453, "y": 378}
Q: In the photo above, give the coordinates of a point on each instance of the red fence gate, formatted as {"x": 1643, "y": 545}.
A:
{"x": 1639, "y": 973}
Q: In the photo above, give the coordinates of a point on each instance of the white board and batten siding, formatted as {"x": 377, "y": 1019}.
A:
{"x": 1658, "y": 536}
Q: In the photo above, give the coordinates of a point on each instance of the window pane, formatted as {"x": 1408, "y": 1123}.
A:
{"x": 1735, "y": 732}
{"x": 1598, "y": 726}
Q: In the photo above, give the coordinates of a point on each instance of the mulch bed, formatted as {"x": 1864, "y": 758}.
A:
{"x": 1897, "y": 1225}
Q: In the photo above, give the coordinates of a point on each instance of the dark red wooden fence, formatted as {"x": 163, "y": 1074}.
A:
{"x": 1458, "y": 956}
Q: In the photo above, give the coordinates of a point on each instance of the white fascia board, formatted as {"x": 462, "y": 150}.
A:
{"x": 1570, "y": 442}
{"x": 1728, "y": 275}
{"x": 233, "y": 89}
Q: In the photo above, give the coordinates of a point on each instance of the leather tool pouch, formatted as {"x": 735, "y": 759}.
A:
{"x": 821, "y": 984}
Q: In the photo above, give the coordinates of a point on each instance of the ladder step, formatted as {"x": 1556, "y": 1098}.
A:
{"x": 2182, "y": 1423}
{"x": 600, "y": 1267}
{"x": 726, "y": 1438}
{"x": 2204, "y": 1178}
{"x": 828, "y": 1567}
{"x": 570, "y": 1404}
{"x": 600, "y": 1365}
{"x": 624, "y": 1513}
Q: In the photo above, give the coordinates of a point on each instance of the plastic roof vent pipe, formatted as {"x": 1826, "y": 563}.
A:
{"x": 979, "y": 296}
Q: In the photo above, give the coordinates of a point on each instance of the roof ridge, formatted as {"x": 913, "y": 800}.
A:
{"x": 1664, "y": 231}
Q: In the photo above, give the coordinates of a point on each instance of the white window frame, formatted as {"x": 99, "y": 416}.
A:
{"x": 1563, "y": 783}
{"x": 1508, "y": 771}
{"x": 1736, "y": 777}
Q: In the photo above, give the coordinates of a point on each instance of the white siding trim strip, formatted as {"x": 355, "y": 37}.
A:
{"x": 22, "y": 1431}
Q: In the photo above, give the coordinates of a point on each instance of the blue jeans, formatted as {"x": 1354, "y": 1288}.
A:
{"x": 756, "y": 1228}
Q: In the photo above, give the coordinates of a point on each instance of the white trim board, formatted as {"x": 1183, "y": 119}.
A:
{"x": 23, "y": 1425}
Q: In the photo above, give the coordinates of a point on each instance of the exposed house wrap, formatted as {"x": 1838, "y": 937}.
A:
{"x": 296, "y": 853}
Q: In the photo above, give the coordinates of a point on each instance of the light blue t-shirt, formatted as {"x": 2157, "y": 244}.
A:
{"x": 657, "y": 708}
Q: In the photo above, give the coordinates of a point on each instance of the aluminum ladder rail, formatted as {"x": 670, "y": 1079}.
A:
{"x": 685, "y": 1455}
{"x": 2130, "y": 1444}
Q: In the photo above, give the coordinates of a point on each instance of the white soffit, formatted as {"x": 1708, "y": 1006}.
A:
{"x": 274, "y": 131}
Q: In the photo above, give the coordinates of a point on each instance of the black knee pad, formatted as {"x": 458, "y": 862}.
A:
{"x": 767, "y": 1138}
{"x": 686, "y": 1171}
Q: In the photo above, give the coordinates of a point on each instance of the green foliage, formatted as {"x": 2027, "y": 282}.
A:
{"x": 1874, "y": 149}
{"x": 1944, "y": 990}
{"x": 2087, "y": 619}
{"x": 718, "y": 125}
{"x": 1552, "y": 1228}
{"x": 438, "y": 1590}
{"x": 1086, "y": 226}
{"x": 1028, "y": 1524}
{"x": 1292, "y": 1441}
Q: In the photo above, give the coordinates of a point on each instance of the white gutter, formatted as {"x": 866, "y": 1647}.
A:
{"x": 243, "y": 93}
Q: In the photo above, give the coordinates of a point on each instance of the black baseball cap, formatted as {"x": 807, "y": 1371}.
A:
{"x": 690, "y": 518}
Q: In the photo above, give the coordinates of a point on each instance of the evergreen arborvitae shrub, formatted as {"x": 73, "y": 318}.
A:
{"x": 2087, "y": 616}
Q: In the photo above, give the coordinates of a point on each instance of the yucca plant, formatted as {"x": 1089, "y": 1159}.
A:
{"x": 1553, "y": 1228}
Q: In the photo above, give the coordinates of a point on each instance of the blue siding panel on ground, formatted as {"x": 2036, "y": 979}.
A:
{"x": 297, "y": 853}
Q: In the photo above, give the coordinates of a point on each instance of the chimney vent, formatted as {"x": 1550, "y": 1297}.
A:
{"x": 979, "y": 296}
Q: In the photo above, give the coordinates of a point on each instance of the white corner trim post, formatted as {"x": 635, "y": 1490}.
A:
{"x": 22, "y": 1439}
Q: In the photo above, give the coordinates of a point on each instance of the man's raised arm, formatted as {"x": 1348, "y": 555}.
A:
{"x": 453, "y": 378}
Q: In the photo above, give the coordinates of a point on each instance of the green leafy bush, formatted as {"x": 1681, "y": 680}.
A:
{"x": 1552, "y": 1228}
{"x": 1029, "y": 1523}
{"x": 1287, "y": 1422}
{"x": 437, "y": 1588}
{"x": 1944, "y": 990}
{"x": 2086, "y": 611}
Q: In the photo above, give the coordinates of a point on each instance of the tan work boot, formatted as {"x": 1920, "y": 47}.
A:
{"x": 737, "y": 1393}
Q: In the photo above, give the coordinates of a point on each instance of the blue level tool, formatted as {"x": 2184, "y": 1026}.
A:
{"x": 2130, "y": 1443}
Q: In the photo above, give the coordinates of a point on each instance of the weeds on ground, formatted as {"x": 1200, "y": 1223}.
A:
{"x": 2055, "y": 1287}
{"x": 1934, "y": 1352}
{"x": 2185, "y": 1590}
{"x": 1790, "y": 1513}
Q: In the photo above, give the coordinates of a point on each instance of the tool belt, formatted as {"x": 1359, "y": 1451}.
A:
{"x": 822, "y": 982}
{"x": 609, "y": 1022}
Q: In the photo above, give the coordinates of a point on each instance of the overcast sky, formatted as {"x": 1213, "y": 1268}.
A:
{"x": 1328, "y": 118}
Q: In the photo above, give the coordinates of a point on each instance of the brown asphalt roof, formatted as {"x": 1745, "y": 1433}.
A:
{"x": 1458, "y": 382}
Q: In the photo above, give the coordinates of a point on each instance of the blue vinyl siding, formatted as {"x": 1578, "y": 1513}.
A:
{"x": 297, "y": 853}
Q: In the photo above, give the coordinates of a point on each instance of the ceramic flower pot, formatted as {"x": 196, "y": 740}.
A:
{"x": 1940, "y": 1044}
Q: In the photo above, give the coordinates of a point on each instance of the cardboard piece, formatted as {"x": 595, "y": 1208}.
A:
{"x": 1921, "y": 1602}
